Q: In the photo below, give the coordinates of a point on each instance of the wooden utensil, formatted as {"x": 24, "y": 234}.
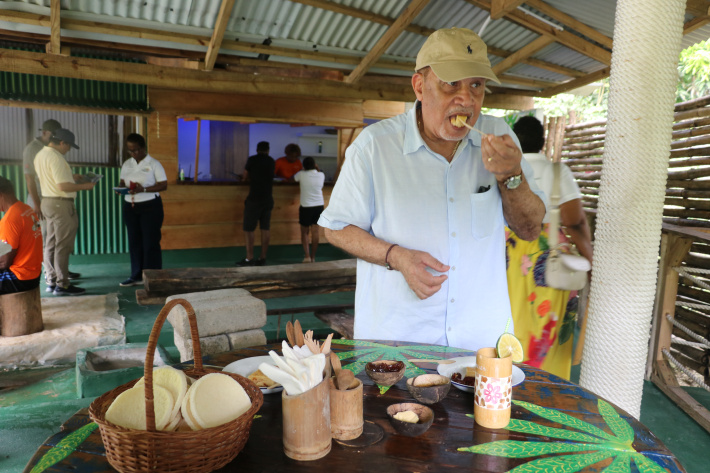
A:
{"x": 345, "y": 379}
{"x": 300, "y": 340}
{"x": 326, "y": 345}
{"x": 335, "y": 362}
{"x": 424, "y": 360}
{"x": 290, "y": 333}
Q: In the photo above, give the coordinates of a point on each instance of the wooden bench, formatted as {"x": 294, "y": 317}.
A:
{"x": 21, "y": 313}
{"x": 263, "y": 282}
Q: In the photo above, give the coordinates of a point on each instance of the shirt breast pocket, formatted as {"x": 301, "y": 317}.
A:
{"x": 486, "y": 213}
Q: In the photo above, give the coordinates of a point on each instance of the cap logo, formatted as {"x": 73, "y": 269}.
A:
{"x": 468, "y": 48}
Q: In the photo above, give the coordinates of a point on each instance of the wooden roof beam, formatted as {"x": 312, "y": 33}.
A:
{"x": 499, "y": 8}
{"x": 565, "y": 38}
{"x": 392, "y": 33}
{"x": 362, "y": 14}
{"x": 697, "y": 7}
{"x": 522, "y": 53}
{"x": 225, "y": 11}
{"x": 571, "y": 22}
{"x": 576, "y": 83}
{"x": 695, "y": 23}
{"x": 54, "y": 46}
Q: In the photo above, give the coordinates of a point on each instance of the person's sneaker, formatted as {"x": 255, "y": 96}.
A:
{"x": 246, "y": 262}
{"x": 260, "y": 262}
{"x": 131, "y": 282}
{"x": 73, "y": 275}
{"x": 50, "y": 288}
{"x": 72, "y": 290}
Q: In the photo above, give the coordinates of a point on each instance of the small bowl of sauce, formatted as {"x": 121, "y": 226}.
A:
{"x": 385, "y": 372}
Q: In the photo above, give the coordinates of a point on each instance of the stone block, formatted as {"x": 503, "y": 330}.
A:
{"x": 209, "y": 346}
{"x": 247, "y": 338}
{"x": 218, "y": 312}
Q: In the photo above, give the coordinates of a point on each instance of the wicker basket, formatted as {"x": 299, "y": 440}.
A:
{"x": 129, "y": 450}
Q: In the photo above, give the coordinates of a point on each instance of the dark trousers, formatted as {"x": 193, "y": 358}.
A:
{"x": 143, "y": 221}
{"x": 9, "y": 283}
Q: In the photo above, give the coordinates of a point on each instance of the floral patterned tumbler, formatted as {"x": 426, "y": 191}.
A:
{"x": 494, "y": 389}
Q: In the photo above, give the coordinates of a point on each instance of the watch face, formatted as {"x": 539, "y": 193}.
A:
{"x": 514, "y": 181}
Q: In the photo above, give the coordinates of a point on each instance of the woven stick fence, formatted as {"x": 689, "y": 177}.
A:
{"x": 687, "y": 204}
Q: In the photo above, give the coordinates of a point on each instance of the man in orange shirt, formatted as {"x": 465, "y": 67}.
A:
{"x": 21, "y": 265}
{"x": 287, "y": 166}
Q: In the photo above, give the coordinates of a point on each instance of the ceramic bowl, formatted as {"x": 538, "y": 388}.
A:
{"x": 426, "y": 417}
{"x": 379, "y": 373}
{"x": 429, "y": 388}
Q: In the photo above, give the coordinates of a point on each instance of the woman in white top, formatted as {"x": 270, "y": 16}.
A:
{"x": 311, "y": 180}
{"x": 142, "y": 208}
{"x": 544, "y": 316}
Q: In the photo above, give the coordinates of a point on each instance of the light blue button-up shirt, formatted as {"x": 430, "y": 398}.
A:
{"x": 393, "y": 186}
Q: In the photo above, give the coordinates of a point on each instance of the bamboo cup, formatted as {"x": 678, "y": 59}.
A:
{"x": 346, "y": 419}
{"x": 306, "y": 423}
{"x": 494, "y": 389}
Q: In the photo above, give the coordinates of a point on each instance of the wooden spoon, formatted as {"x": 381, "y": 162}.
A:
{"x": 300, "y": 341}
{"x": 290, "y": 334}
{"x": 345, "y": 378}
{"x": 335, "y": 363}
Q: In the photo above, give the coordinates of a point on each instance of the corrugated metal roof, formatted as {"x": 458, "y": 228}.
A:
{"x": 290, "y": 24}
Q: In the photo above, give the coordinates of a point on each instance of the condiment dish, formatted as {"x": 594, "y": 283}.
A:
{"x": 429, "y": 388}
{"x": 385, "y": 372}
{"x": 425, "y": 414}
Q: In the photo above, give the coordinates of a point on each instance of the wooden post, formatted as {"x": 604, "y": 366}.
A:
{"x": 21, "y": 313}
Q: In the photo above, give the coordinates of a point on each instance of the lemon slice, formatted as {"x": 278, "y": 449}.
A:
{"x": 509, "y": 345}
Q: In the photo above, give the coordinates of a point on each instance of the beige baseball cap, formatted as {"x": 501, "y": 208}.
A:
{"x": 455, "y": 54}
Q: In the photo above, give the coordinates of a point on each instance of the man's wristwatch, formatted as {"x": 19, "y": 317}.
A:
{"x": 513, "y": 182}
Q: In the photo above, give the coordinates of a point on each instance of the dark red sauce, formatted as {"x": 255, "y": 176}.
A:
{"x": 379, "y": 367}
{"x": 468, "y": 380}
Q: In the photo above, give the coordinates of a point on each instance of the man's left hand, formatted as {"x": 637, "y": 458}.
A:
{"x": 501, "y": 156}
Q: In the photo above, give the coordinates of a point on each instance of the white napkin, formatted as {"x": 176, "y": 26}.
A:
{"x": 296, "y": 371}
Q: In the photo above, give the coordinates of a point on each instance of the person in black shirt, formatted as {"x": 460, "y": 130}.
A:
{"x": 259, "y": 172}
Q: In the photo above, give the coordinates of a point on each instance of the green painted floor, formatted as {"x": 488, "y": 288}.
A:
{"x": 32, "y": 412}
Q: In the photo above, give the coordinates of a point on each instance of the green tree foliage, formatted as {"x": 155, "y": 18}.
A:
{"x": 694, "y": 72}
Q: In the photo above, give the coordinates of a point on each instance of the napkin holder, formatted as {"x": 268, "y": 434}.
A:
{"x": 306, "y": 423}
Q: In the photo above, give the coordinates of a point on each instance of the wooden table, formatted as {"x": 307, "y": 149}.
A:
{"x": 555, "y": 425}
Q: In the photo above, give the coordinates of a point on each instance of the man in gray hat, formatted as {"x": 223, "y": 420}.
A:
{"x": 58, "y": 192}
{"x": 422, "y": 202}
{"x": 28, "y": 163}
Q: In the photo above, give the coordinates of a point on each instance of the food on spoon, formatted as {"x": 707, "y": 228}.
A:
{"x": 458, "y": 121}
{"x": 407, "y": 416}
{"x": 261, "y": 380}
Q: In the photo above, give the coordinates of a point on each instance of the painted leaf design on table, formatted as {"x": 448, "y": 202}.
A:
{"x": 598, "y": 444}
{"x": 562, "y": 464}
{"x": 619, "y": 426}
{"x": 564, "y": 419}
{"x": 64, "y": 448}
{"x": 372, "y": 351}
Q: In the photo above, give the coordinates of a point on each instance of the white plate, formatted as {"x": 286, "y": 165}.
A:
{"x": 461, "y": 363}
{"x": 247, "y": 366}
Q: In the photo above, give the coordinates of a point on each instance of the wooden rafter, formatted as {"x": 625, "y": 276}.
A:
{"x": 565, "y": 38}
{"x": 535, "y": 84}
{"x": 362, "y": 14}
{"x": 54, "y": 46}
{"x": 570, "y": 22}
{"x": 225, "y": 10}
{"x": 695, "y": 23}
{"x": 576, "y": 83}
{"x": 522, "y": 53}
{"x": 501, "y": 7}
{"x": 392, "y": 33}
{"x": 698, "y": 7}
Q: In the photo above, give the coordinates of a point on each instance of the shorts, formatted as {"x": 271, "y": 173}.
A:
{"x": 9, "y": 284}
{"x": 257, "y": 212}
{"x": 308, "y": 216}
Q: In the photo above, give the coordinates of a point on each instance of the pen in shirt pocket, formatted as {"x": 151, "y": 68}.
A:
{"x": 483, "y": 189}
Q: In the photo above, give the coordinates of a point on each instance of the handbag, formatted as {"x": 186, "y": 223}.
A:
{"x": 564, "y": 270}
